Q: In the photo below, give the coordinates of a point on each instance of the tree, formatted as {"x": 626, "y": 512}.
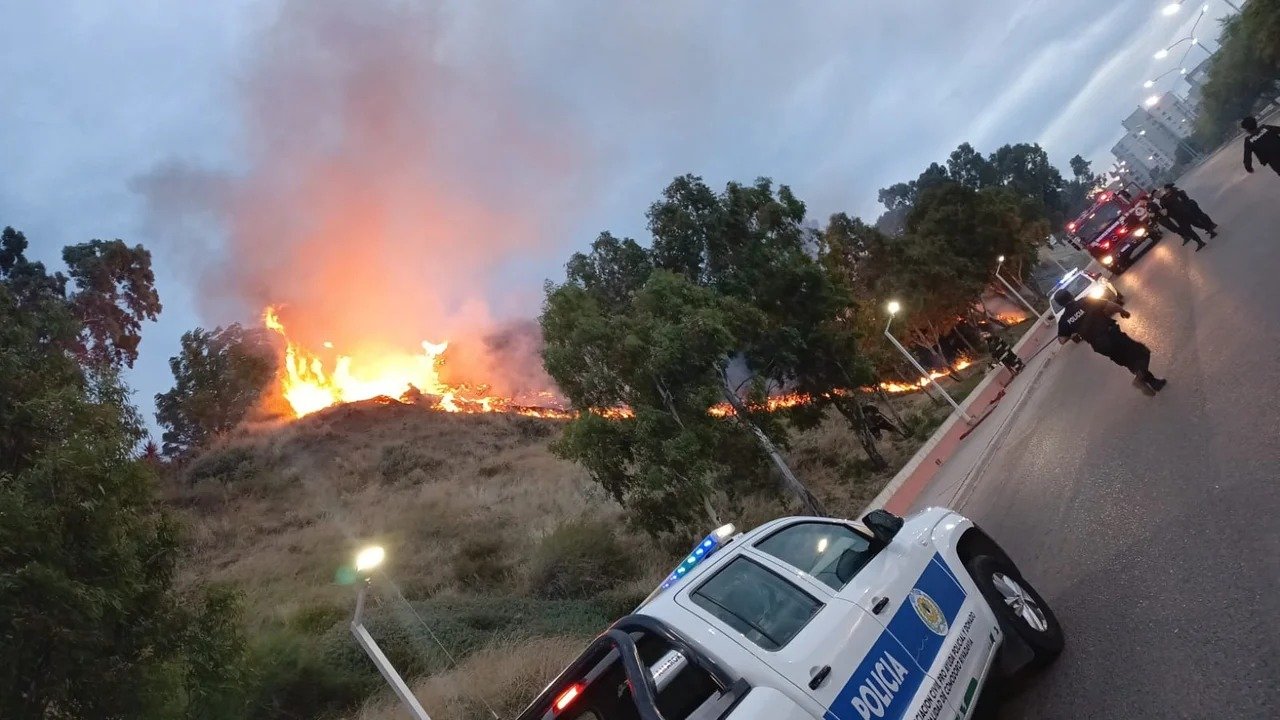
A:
{"x": 750, "y": 244}
{"x": 1025, "y": 169}
{"x": 90, "y": 623}
{"x": 1245, "y": 69}
{"x": 115, "y": 291}
{"x": 219, "y": 376}
{"x": 969, "y": 168}
{"x": 663, "y": 355}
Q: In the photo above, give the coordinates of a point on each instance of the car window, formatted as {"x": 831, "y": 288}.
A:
{"x": 831, "y": 552}
{"x": 756, "y": 602}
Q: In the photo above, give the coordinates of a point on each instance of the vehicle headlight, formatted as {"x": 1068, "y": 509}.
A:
{"x": 1107, "y": 259}
{"x": 1096, "y": 292}
{"x": 1140, "y": 232}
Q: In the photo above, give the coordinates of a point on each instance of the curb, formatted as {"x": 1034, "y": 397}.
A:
{"x": 910, "y": 481}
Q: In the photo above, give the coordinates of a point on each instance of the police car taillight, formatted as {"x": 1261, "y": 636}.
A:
{"x": 566, "y": 698}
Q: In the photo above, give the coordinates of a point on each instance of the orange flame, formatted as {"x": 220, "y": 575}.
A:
{"x": 309, "y": 387}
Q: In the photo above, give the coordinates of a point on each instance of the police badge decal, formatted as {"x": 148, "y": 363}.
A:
{"x": 929, "y": 612}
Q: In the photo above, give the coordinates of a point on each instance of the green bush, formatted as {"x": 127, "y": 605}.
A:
{"x": 295, "y": 676}
{"x": 483, "y": 562}
{"x": 579, "y": 559}
{"x": 397, "y": 461}
{"x": 225, "y": 465}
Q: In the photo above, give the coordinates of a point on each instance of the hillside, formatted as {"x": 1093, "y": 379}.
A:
{"x": 510, "y": 556}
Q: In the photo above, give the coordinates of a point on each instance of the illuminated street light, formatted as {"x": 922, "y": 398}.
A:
{"x": 893, "y": 308}
{"x": 368, "y": 560}
{"x": 1171, "y": 9}
{"x": 1162, "y": 53}
{"x": 1152, "y": 101}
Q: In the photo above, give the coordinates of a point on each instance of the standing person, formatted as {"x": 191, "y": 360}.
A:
{"x": 1091, "y": 320}
{"x": 1262, "y": 141}
{"x": 1166, "y": 214}
{"x": 1190, "y": 210}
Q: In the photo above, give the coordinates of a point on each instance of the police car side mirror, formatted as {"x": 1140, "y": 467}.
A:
{"x": 883, "y": 525}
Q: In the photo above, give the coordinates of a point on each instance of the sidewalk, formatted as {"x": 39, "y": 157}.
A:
{"x": 942, "y": 467}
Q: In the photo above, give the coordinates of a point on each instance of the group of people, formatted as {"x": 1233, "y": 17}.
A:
{"x": 1177, "y": 212}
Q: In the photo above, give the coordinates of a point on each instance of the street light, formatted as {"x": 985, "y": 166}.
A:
{"x": 1171, "y": 9}
{"x": 1152, "y": 101}
{"x": 1034, "y": 312}
{"x": 368, "y": 560}
{"x": 893, "y": 307}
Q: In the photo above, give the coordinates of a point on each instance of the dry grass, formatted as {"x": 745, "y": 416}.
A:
{"x": 323, "y": 486}
{"x": 462, "y": 504}
{"x": 505, "y": 677}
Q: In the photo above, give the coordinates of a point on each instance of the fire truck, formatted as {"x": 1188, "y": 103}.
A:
{"x": 1116, "y": 229}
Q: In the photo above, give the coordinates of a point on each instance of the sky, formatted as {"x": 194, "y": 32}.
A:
{"x": 244, "y": 142}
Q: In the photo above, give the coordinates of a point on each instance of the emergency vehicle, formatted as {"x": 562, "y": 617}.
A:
{"x": 808, "y": 618}
{"x": 1116, "y": 229}
{"x": 1082, "y": 284}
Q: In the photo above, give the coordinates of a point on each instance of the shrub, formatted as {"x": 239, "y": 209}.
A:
{"x": 579, "y": 559}
{"x": 483, "y": 562}
{"x": 226, "y": 465}
{"x": 296, "y": 676}
{"x": 397, "y": 461}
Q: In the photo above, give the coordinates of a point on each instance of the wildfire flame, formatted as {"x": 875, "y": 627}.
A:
{"x": 309, "y": 387}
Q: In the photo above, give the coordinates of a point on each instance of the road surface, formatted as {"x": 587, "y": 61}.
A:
{"x": 1153, "y": 524}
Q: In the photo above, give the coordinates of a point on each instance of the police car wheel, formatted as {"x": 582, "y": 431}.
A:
{"x": 1019, "y": 607}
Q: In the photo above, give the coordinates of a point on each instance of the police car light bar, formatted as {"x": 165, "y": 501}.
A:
{"x": 701, "y": 551}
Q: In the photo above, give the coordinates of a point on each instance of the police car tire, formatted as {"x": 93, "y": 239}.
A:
{"x": 1045, "y": 644}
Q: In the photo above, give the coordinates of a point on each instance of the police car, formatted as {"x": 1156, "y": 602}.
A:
{"x": 808, "y": 618}
{"x": 1081, "y": 284}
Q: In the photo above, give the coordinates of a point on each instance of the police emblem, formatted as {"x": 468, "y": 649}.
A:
{"x": 929, "y": 612}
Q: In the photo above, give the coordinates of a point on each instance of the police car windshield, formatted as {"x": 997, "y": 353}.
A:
{"x": 1100, "y": 219}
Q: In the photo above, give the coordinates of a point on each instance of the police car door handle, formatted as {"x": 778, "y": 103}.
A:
{"x": 819, "y": 677}
{"x": 879, "y": 605}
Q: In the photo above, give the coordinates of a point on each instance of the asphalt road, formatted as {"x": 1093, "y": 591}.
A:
{"x": 1152, "y": 525}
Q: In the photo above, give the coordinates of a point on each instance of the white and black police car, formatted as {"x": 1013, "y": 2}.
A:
{"x": 809, "y": 618}
{"x": 1083, "y": 284}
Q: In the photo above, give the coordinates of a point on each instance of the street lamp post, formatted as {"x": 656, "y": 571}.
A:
{"x": 893, "y": 308}
{"x": 1034, "y": 312}
{"x": 366, "y": 562}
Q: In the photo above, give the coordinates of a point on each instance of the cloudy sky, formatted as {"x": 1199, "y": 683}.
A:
{"x": 237, "y": 138}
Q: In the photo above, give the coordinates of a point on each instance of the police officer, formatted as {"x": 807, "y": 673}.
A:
{"x": 1188, "y": 209}
{"x": 1262, "y": 141}
{"x": 877, "y": 422}
{"x": 1165, "y": 209}
{"x": 1090, "y": 320}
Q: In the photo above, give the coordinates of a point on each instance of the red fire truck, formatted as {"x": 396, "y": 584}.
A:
{"x": 1116, "y": 229}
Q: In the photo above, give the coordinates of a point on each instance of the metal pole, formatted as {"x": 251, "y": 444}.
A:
{"x": 380, "y": 660}
{"x": 912, "y": 359}
{"x": 1034, "y": 313}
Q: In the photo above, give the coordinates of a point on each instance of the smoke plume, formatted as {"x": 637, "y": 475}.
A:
{"x": 380, "y": 186}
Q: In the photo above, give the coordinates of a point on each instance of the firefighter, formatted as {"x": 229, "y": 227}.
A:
{"x": 1162, "y": 205}
{"x": 1002, "y": 353}
{"x": 876, "y": 421}
{"x": 1263, "y": 142}
{"x": 1091, "y": 320}
{"x": 1190, "y": 210}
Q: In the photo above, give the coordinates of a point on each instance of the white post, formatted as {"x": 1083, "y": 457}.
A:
{"x": 1034, "y": 313}
{"x": 912, "y": 359}
{"x": 380, "y": 660}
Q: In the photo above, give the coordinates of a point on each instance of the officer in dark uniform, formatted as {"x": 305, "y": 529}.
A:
{"x": 877, "y": 422}
{"x": 1164, "y": 208}
{"x": 1180, "y": 203}
{"x": 1091, "y": 320}
{"x": 1262, "y": 142}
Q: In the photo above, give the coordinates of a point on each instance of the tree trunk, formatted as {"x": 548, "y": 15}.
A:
{"x": 884, "y": 399}
{"x": 852, "y": 412}
{"x": 959, "y": 332}
{"x": 790, "y": 483}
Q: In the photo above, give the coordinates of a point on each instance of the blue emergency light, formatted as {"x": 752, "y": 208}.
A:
{"x": 701, "y": 552}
